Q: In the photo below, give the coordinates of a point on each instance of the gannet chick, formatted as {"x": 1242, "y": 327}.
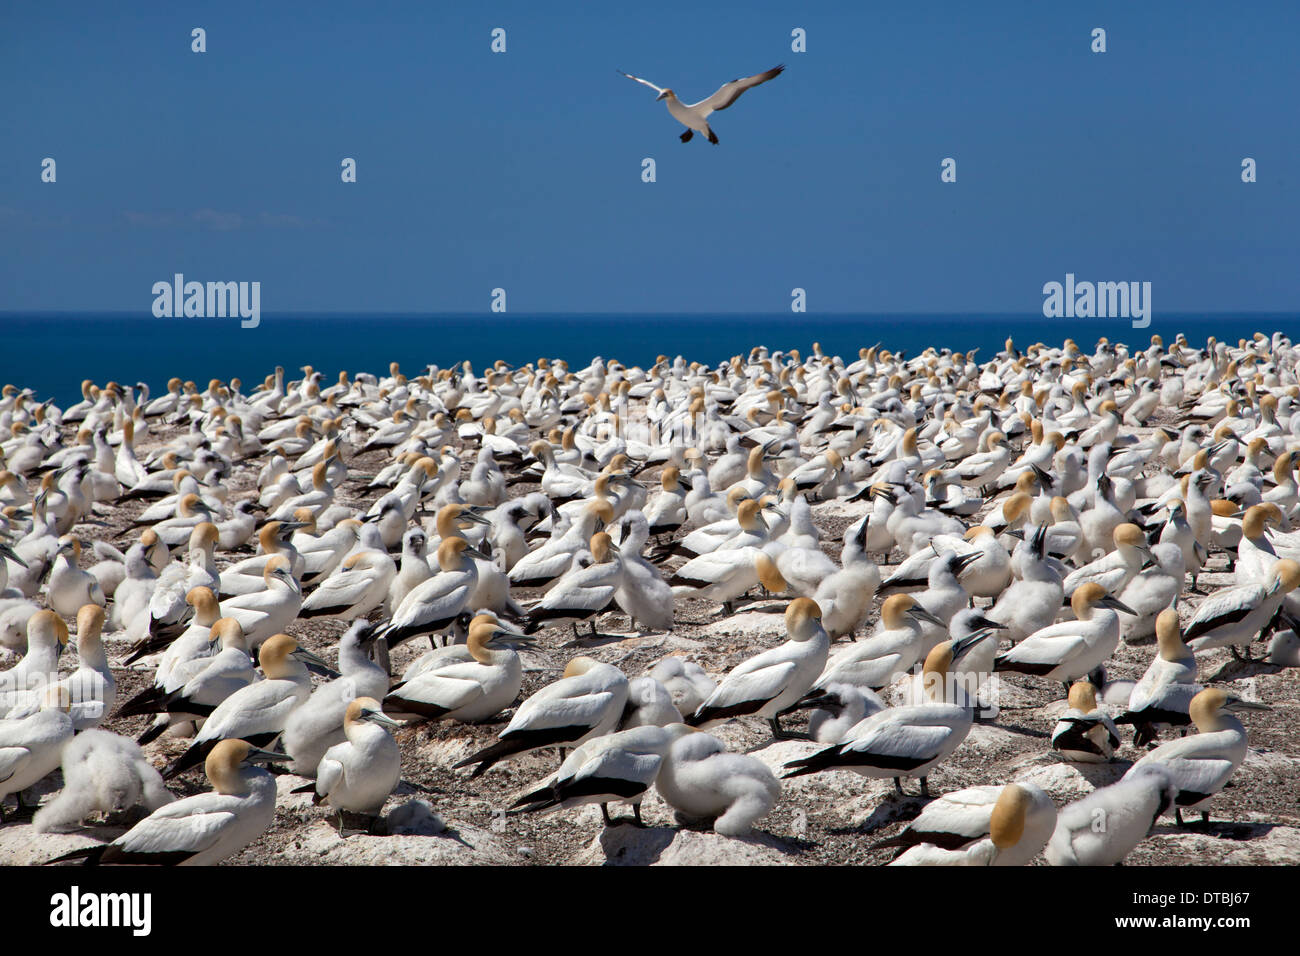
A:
{"x": 702, "y": 781}
{"x": 257, "y": 712}
{"x": 687, "y": 683}
{"x": 836, "y": 709}
{"x": 468, "y": 682}
{"x": 102, "y": 773}
{"x": 648, "y": 705}
{"x": 978, "y": 826}
{"x": 768, "y": 683}
{"x": 1162, "y": 697}
{"x": 585, "y": 703}
{"x": 903, "y": 741}
{"x": 620, "y": 766}
{"x": 1202, "y": 764}
{"x": 1129, "y": 808}
{"x": 357, "y": 775}
{"x": 319, "y": 723}
{"x": 1085, "y": 733}
{"x": 31, "y": 747}
{"x": 203, "y": 829}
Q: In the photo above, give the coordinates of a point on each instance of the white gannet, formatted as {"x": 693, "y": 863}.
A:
{"x": 768, "y": 683}
{"x": 202, "y": 829}
{"x": 1202, "y": 764}
{"x": 1162, "y": 697}
{"x": 893, "y": 649}
{"x": 1235, "y": 616}
{"x": 904, "y": 741}
{"x": 357, "y": 775}
{"x": 702, "y": 781}
{"x": 470, "y": 682}
{"x": 318, "y": 723}
{"x": 433, "y": 605}
{"x": 1085, "y": 733}
{"x": 1069, "y": 650}
{"x": 979, "y": 826}
{"x": 257, "y": 712}
{"x": 695, "y": 116}
{"x": 585, "y": 703}
{"x": 620, "y": 766}
{"x": 32, "y": 746}
{"x": 104, "y": 773}
{"x": 1103, "y": 828}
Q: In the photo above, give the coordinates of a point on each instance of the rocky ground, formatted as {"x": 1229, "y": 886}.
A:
{"x": 439, "y": 815}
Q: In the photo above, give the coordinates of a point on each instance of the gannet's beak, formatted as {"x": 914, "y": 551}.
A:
{"x": 8, "y": 552}
{"x": 961, "y": 646}
{"x": 476, "y": 553}
{"x": 1236, "y": 703}
{"x": 258, "y": 755}
{"x": 921, "y": 614}
{"x": 379, "y": 717}
{"x": 1118, "y": 605}
{"x": 307, "y": 657}
{"x": 507, "y": 637}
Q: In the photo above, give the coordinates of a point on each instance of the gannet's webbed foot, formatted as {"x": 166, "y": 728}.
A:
{"x": 686, "y": 137}
{"x": 713, "y": 138}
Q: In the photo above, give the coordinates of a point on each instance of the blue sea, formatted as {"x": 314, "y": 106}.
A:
{"x": 52, "y": 353}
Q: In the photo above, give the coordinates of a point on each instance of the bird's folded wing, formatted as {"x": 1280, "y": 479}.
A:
{"x": 898, "y": 739}
{"x": 328, "y": 775}
{"x": 615, "y": 763}
{"x": 11, "y": 758}
{"x": 180, "y": 831}
{"x": 445, "y": 691}
{"x": 581, "y": 711}
{"x": 761, "y": 684}
{"x": 1046, "y": 649}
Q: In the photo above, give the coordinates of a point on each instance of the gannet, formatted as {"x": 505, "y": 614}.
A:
{"x": 1162, "y": 697}
{"x": 468, "y": 682}
{"x": 257, "y": 712}
{"x": 1069, "y": 650}
{"x": 586, "y": 702}
{"x": 893, "y": 649}
{"x": 687, "y": 683}
{"x": 1103, "y": 828}
{"x": 620, "y": 766}
{"x": 318, "y": 723}
{"x": 433, "y": 605}
{"x": 32, "y": 746}
{"x": 768, "y": 683}
{"x": 1201, "y": 765}
{"x": 1085, "y": 733}
{"x": 904, "y": 741}
{"x": 356, "y": 775}
{"x": 203, "y": 829}
{"x": 1235, "y": 616}
{"x": 979, "y": 826}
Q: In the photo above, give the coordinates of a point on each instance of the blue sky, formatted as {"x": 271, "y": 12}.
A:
{"x": 479, "y": 170}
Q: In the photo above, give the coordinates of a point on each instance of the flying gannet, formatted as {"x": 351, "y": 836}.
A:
{"x": 695, "y": 116}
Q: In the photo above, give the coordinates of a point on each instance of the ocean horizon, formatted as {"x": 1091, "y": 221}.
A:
{"x": 53, "y": 352}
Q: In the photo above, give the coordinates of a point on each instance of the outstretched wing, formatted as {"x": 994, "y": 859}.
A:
{"x": 730, "y": 92}
{"x": 657, "y": 89}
